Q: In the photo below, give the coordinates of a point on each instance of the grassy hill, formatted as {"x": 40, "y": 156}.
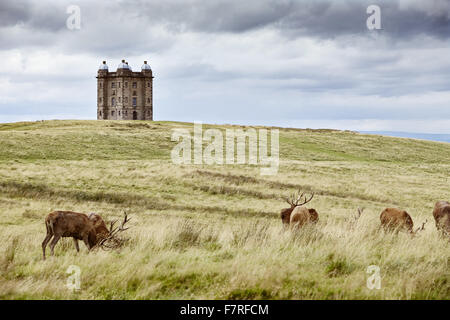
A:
{"x": 214, "y": 232}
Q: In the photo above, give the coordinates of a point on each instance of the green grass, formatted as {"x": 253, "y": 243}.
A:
{"x": 214, "y": 232}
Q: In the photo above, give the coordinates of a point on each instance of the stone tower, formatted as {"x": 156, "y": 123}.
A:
{"x": 124, "y": 94}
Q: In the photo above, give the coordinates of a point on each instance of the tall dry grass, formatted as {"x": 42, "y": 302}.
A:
{"x": 214, "y": 231}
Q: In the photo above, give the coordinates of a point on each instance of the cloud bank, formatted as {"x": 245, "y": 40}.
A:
{"x": 284, "y": 62}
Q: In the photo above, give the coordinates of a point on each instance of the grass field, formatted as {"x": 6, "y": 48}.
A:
{"x": 214, "y": 232}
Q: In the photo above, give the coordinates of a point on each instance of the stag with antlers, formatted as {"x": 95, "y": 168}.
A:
{"x": 90, "y": 229}
{"x": 297, "y": 215}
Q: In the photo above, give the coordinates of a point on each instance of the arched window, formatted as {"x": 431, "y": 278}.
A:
{"x": 134, "y": 102}
{"x": 113, "y": 101}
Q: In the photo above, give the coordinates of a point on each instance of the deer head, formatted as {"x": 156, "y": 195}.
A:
{"x": 112, "y": 240}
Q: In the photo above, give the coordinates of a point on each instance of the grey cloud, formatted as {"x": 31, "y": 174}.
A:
{"x": 322, "y": 18}
{"x": 14, "y": 12}
{"x": 214, "y": 16}
{"x": 33, "y": 15}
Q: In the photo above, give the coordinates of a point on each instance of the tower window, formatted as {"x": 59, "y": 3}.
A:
{"x": 113, "y": 84}
{"x": 134, "y": 102}
{"x": 112, "y": 113}
{"x": 119, "y": 84}
{"x": 148, "y": 100}
{"x": 134, "y": 93}
{"x": 134, "y": 84}
{"x": 114, "y": 92}
{"x": 148, "y": 84}
{"x": 113, "y": 101}
{"x": 126, "y": 84}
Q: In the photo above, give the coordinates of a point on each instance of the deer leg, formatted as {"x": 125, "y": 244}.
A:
{"x": 53, "y": 243}
{"x": 86, "y": 242}
{"x": 75, "y": 241}
{"x": 45, "y": 242}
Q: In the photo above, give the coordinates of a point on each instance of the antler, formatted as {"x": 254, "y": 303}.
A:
{"x": 355, "y": 218}
{"x": 112, "y": 241}
{"x": 422, "y": 227}
{"x": 294, "y": 199}
{"x": 360, "y": 211}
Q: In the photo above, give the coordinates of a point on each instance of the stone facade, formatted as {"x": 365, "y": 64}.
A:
{"x": 124, "y": 94}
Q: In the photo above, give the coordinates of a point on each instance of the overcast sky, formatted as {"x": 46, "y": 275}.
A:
{"x": 273, "y": 62}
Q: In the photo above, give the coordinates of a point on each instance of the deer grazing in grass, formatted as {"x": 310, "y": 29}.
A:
{"x": 441, "y": 214}
{"x": 296, "y": 216}
{"x": 395, "y": 219}
{"x": 90, "y": 229}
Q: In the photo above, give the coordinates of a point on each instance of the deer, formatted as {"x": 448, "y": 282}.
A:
{"x": 441, "y": 214}
{"x": 101, "y": 230}
{"x": 90, "y": 229}
{"x": 296, "y": 216}
{"x": 393, "y": 219}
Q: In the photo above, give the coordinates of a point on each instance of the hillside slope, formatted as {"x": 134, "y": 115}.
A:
{"x": 202, "y": 231}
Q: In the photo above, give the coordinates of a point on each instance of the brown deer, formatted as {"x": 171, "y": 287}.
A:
{"x": 296, "y": 216}
{"x": 91, "y": 229}
{"x": 395, "y": 219}
{"x": 441, "y": 214}
{"x": 101, "y": 230}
